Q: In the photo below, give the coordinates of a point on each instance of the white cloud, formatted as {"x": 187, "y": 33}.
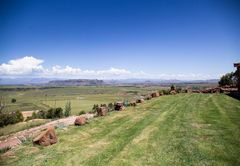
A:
{"x": 31, "y": 66}
{"x": 26, "y": 65}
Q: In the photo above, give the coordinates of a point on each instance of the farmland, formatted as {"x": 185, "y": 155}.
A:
{"x": 44, "y": 98}
{"x": 182, "y": 129}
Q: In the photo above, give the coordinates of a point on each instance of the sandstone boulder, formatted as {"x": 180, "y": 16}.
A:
{"x": 118, "y": 104}
{"x": 149, "y": 97}
{"x": 46, "y": 138}
{"x": 172, "y": 92}
{"x": 133, "y": 103}
{"x": 80, "y": 120}
{"x": 140, "y": 100}
{"x": 161, "y": 93}
{"x": 122, "y": 108}
{"x": 155, "y": 94}
{"x": 189, "y": 90}
{"x": 102, "y": 111}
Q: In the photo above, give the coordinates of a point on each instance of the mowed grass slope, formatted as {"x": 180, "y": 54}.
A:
{"x": 183, "y": 129}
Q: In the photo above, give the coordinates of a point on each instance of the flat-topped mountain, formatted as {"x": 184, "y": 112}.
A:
{"x": 76, "y": 82}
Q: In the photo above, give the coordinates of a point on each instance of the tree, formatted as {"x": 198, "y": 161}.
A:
{"x": 228, "y": 79}
{"x": 14, "y": 100}
{"x": 68, "y": 109}
{"x": 58, "y": 112}
{"x": 172, "y": 87}
{"x": 19, "y": 116}
{"x": 49, "y": 114}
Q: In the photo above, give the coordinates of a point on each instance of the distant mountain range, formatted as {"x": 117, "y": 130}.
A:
{"x": 76, "y": 82}
{"x": 160, "y": 81}
{"x": 88, "y": 82}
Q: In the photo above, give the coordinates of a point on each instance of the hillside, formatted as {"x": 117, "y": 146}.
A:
{"x": 76, "y": 82}
{"x": 182, "y": 129}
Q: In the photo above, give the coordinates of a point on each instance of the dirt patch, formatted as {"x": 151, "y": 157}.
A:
{"x": 148, "y": 109}
{"x": 200, "y": 125}
{"x": 18, "y": 148}
{"x": 200, "y": 104}
{"x": 31, "y": 151}
{"x": 7, "y": 153}
{"x": 193, "y": 113}
{"x": 28, "y": 113}
{"x": 205, "y": 138}
{"x": 100, "y": 144}
{"x": 119, "y": 115}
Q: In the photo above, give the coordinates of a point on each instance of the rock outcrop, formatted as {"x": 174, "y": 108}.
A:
{"x": 102, "y": 111}
{"x": 172, "y": 92}
{"x": 46, "y": 138}
{"x": 118, "y": 105}
{"x": 80, "y": 120}
{"x": 155, "y": 94}
{"x": 133, "y": 103}
{"x": 140, "y": 100}
{"x": 149, "y": 97}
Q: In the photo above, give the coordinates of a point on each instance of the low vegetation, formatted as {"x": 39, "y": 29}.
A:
{"x": 183, "y": 129}
{"x": 13, "y": 128}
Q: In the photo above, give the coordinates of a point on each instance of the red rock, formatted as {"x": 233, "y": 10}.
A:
{"x": 102, "y": 111}
{"x": 47, "y": 137}
{"x": 149, "y": 97}
{"x": 155, "y": 94}
{"x": 133, "y": 103}
{"x": 172, "y": 92}
{"x": 80, "y": 120}
{"x": 140, "y": 100}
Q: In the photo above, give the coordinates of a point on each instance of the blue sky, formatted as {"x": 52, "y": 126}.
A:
{"x": 113, "y": 39}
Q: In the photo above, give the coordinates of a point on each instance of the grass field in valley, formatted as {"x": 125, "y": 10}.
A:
{"x": 182, "y": 129}
{"x": 29, "y": 100}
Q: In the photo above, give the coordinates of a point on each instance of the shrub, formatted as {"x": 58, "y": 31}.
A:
{"x": 42, "y": 114}
{"x": 58, "y": 112}
{"x": 95, "y": 106}
{"x": 5, "y": 149}
{"x": 49, "y": 114}
{"x": 82, "y": 112}
{"x": 110, "y": 105}
{"x": 18, "y": 116}
{"x": 68, "y": 109}
{"x": 172, "y": 87}
{"x": 14, "y": 100}
{"x": 165, "y": 92}
{"x": 29, "y": 118}
{"x": 10, "y": 118}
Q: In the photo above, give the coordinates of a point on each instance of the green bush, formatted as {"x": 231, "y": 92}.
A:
{"x": 18, "y": 116}
{"x": 58, "y": 112}
{"x": 82, "y": 112}
{"x": 165, "y": 92}
{"x": 172, "y": 87}
{"x": 10, "y": 118}
{"x": 42, "y": 114}
{"x": 110, "y": 106}
{"x": 49, "y": 114}
{"x": 68, "y": 109}
{"x": 29, "y": 118}
{"x": 14, "y": 100}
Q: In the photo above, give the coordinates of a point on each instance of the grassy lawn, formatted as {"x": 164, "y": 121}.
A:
{"x": 183, "y": 129}
{"x": 29, "y": 100}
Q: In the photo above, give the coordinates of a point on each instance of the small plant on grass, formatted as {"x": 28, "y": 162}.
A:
{"x": 62, "y": 125}
{"x": 5, "y": 149}
{"x": 82, "y": 112}
{"x": 25, "y": 138}
{"x": 68, "y": 109}
{"x": 14, "y": 100}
